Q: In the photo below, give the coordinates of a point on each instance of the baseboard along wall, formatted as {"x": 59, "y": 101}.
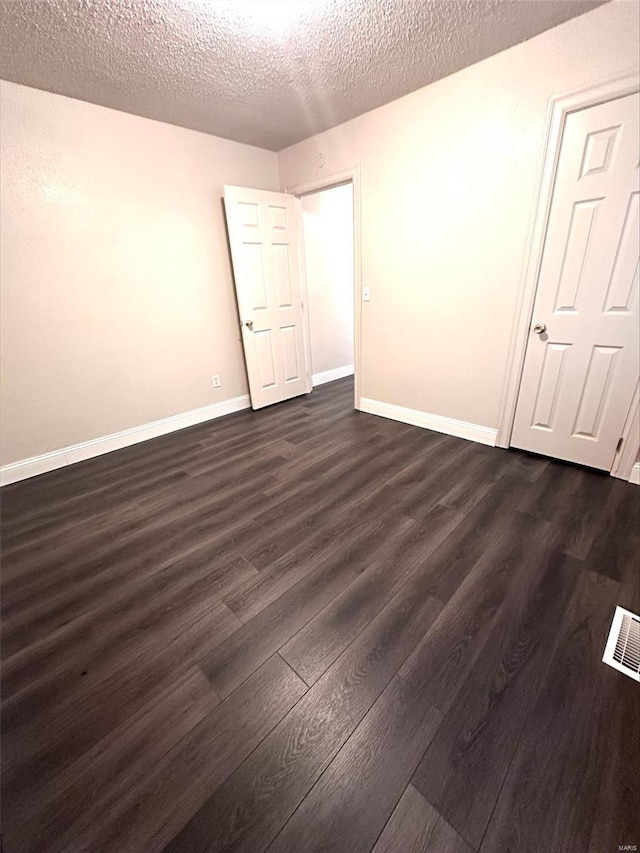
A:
{"x": 449, "y": 426}
{"x": 25, "y": 468}
{"x": 35, "y": 465}
{"x": 330, "y": 375}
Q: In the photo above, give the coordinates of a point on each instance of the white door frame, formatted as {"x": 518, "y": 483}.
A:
{"x": 325, "y": 182}
{"x": 559, "y": 108}
{"x": 625, "y": 460}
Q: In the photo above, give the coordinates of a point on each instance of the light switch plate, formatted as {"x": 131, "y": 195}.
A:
{"x": 366, "y": 294}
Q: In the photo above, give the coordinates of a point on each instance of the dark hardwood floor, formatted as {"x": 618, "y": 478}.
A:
{"x": 310, "y": 629}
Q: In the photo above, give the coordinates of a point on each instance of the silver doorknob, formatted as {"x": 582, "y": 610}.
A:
{"x": 249, "y": 325}
{"x": 539, "y": 328}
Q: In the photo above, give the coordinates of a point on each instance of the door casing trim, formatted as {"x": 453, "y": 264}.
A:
{"x": 625, "y": 458}
{"x": 558, "y": 110}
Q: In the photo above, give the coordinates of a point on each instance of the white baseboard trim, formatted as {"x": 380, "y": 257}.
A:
{"x": 449, "y": 426}
{"x": 96, "y": 447}
{"x": 330, "y": 375}
{"x": 634, "y": 477}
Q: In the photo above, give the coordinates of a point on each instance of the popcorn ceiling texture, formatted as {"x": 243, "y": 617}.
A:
{"x": 230, "y": 69}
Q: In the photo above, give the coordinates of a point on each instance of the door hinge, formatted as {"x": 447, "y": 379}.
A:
{"x": 619, "y": 444}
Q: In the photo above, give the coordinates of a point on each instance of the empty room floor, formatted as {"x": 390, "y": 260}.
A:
{"x": 312, "y": 629}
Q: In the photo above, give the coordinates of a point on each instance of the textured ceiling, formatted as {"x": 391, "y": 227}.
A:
{"x": 266, "y": 72}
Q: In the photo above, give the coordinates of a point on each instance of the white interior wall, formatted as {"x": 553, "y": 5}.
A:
{"x": 117, "y": 298}
{"x": 328, "y": 247}
{"x": 449, "y": 177}
{"x": 118, "y": 302}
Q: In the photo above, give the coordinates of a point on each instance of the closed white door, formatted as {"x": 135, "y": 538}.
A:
{"x": 582, "y": 358}
{"x": 263, "y": 235}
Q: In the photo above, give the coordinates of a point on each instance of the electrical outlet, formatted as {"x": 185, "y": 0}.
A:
{"x": 216, "y": 381}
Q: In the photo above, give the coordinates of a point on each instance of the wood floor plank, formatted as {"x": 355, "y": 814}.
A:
{"x": 615, "y": 551}
{"x": 475, "y": 482}
{"x": 417, "y": 488}
{"x": 268, "y": 455}
{"x": 44, "y": 731}
{"x": 37, "y": 511}
{"x": 553, "y": 783}
{"x": 325, "y": 478}
{"x": 312, "y": 650}
{"x": 31, "y": 554}
{"x": 616, "y": 814}
{"x": 348, "y": 485}
{"x": 405, "y": 574}
{"x": 332, "y": 540}
{"x": 483, "y": 527}
{"x": 307, "y": 512}
{"x": 18, "y": 547}
{"x": 524, "y": 466}
{"x": 143, "y": 541}
{"x": 48, "y": 604}
{"x": 345, "y": 474}
{"x": 349, "y": 805}
{"x": 258, "y": 639}
{"x": 463, "y": 769}
{"x": 416, "y": 827}
{"x": 332, "y": 417}
{"x": 304, "y": 465}
{"x": 57, "y": 808}
{"x": 570, "y": 497}
{"x": 152, "y": 812}
{"x": 140, "y": 607}
{"x": 458, "y": 638}
{"x": 254, "y": 804}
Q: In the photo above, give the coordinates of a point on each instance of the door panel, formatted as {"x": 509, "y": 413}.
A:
{"x": 263, "y": 234}
{"x": 624, "y": 275}
{"x": 580, "y": 373}
{"x": 595, "y": 392}
{"x": 549, "y": 385}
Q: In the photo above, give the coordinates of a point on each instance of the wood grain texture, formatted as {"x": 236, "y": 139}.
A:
{"x": 556, "y": 778}
{"x": 312, "y": 650}
{"x": 250, "y": 645}
{"x": 257, "y": 630}
{"x": 44, "y": 731}
{"x": 616, "y": 810}
{"x": 463, "y": 769}
{"x": 416, "y": 827}
{"x": 348, "y": 807}
{"x": 150, "y": 814}
{"x": 249, "y": 810}
{"x": 470, "y": 621}
{"x": 81, "y": 794}
{"x": 125, "y": 620}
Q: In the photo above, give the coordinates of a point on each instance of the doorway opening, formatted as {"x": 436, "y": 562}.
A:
{"x": 315, "y": 196}
{"x": 329, "y": 273}
{"x": 267, "y": 245}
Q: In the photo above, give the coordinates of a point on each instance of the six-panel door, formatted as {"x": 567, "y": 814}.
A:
{"x": 263, "y": 234}
{"x": 580, "y": 374}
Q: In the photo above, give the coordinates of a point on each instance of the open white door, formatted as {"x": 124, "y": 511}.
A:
{"x": 264, "y": 238}
{"x": 582, "y": 360}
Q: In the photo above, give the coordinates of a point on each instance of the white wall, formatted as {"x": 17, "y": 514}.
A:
{"x": 117, "y": 297}
{"x": 449, "y": 175}
{"x": 328, "y": 247}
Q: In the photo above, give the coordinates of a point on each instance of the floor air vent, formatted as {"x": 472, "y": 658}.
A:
{"x": 623, "y": 646}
